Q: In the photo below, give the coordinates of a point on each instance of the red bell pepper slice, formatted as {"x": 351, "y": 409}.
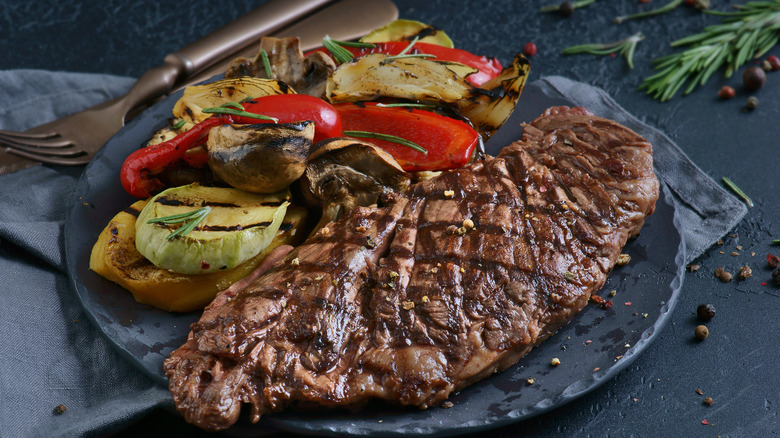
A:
{"x": 139, "y": 170}
{"x": 450, "y": 143}
{"x": 488, "y": 67}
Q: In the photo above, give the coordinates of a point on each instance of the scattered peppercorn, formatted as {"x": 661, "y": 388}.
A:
{"x": 774, "y": 62}
{"x": 566, "y": 9}
{"x": 752, "y": 103}
{"x": 723, "y": 275}
{"x": 708, "y": 401}
{"x": 705, "y": 312}
{"x": 745, "y": 272}
{"x": 773, "y": 261}
{"x": 60, "y": 409}
{"x": 726, "y": 92}
{"x": 701, "y": 332}
{"x": 753, "y": 78}
{"x": 529, "y": 49}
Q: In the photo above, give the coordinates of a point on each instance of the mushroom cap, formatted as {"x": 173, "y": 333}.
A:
{"x": 344, "y": 173}
{"x": 260, "y": 158}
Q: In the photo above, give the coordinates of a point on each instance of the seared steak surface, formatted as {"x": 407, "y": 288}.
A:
{"x": 446, "y": 284}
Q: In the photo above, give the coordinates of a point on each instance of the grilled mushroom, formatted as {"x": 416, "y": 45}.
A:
{"x": 261, "y": 158}
{"x": 306, "y": 74}
{"x": 344, "y": 173}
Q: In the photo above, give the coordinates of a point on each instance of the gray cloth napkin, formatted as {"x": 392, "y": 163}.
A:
{"x": 49, "y": 352}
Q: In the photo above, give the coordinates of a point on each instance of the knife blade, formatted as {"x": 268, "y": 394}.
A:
{"x": 201, "y": 54}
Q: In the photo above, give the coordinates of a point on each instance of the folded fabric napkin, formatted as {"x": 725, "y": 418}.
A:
{"x": 49, "y": 352}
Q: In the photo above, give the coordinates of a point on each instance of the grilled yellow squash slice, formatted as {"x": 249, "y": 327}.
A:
{"x": 115, "y": 257}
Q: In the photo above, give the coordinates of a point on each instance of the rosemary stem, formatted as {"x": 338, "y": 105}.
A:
{"x": 662, "y": 10}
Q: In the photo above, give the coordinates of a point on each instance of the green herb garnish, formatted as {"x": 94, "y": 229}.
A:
{"x": 749, "y": 32}
{"x": 574, "y": 5}
{"x": 266, "y": 63}
{"x": 387, "y": 137}
{"x": 179, "y": 124}
{"x": 235, "y": 112}
{"x": 662, "y": 10}
{"x": 191, "y": 220}
{"x": 339, "y": 53}
{"x": 730, "y": 184}
{"x": 358, "y": 44}
{"x": 624, "y": 47}
{"x": 406, "y": 104}
{"x": 235, "y": 105}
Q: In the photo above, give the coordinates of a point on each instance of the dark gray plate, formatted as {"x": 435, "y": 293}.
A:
{"x": 594, "y": 347}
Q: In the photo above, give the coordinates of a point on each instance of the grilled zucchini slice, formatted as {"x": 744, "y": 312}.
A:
{"x": 238, "y": 226}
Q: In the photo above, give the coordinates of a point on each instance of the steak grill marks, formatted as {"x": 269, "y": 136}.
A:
{"x": 460, "y": 278}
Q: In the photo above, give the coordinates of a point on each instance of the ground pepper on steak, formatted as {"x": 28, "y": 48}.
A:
{"x": 423, "y": 311}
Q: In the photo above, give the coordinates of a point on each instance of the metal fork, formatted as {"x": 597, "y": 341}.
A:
{"x": 74, "y": 139}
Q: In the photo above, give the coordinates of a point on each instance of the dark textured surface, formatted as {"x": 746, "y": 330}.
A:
{"x": 736, "y": 365}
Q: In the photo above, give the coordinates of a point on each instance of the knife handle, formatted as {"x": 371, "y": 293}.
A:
{"x": 271, "y": 16}
{"x": 248, "y": 29}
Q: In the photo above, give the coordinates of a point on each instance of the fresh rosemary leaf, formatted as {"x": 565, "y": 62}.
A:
{"x": 236, "y": 112}
{"x": 625, "y": 47}
{"x": 387, "y": 137}
{"x": 575, "y": 5}
{"x": 730, "y": 184}
{"x": 357, "y": 44}
{"x": 662, "y": 10}
{"x": 405, "y": 105}
{"x": 266, "y": 63}
{"x": 192, "y": 219}
{"x": 341, "y": 54}
{"x": 235, "y": 105}
{"x": 179, "y": 124}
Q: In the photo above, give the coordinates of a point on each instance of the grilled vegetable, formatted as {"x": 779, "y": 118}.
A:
{"x": 238, "y": 226}
{"x": 115, "y": 257}
{"x": 448, "y": 143}
{"x": 195, "y": 98}
{"x": 408, "y": 30}
{"x": 345, "y": 173}
{"x": 375, "y": 76}
{"x": 263, "y": 158}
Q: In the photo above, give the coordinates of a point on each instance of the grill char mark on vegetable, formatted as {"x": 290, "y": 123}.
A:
{"x": 468, "y": 272}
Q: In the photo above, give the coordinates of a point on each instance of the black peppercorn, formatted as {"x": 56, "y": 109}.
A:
{"x": 705, "y": 312}
{"x": 754, "y": 78}
{"x": 773, "y": 261}
{"x": 566, "y": 9}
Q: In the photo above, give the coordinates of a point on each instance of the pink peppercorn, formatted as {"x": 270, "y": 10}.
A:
{"x": 529, "y": 49}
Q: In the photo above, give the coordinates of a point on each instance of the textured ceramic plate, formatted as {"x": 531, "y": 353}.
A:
{"x": 595, "y": 346}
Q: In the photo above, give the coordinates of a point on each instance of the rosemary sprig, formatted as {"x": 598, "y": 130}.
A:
{"x": 625, "y": 47}
{"x": 179, "y": 124}
{"x": 191, "y": 220}
{"x": 387, "y": 137}
{"x": 266, "y": 63}
{"x": 340, "y": 54}
{"x": 405, "y": 105}
{"x": 730, "y": 184}
{"x": 750, "y": 31}
{"x": 661, "y": 10}
{"x": 236, "y": 112}
{"x": 775, "y": 241}
{"x": 575, "y": 5}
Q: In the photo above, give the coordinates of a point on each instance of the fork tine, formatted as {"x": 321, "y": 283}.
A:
{"x": 63, "y": 161}
{"x": 58, "y": 152}
{"x": 37, "y": 135}
{"x": 47, "y": 141}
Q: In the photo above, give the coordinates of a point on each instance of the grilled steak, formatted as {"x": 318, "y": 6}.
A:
{"x": 442, "y": 286}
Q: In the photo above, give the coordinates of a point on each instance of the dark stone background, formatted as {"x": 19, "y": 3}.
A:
{"x": 737, "y": 365}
